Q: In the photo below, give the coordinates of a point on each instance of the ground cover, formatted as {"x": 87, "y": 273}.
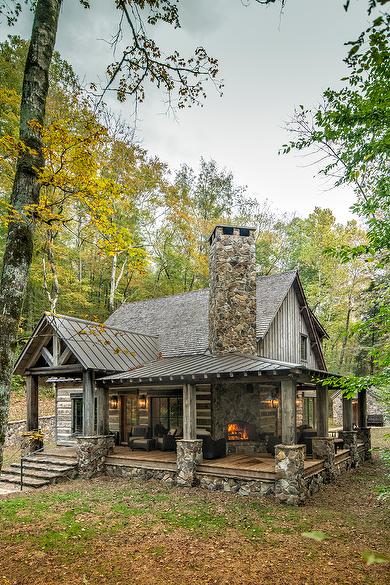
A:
{"x": 115, "y": 532}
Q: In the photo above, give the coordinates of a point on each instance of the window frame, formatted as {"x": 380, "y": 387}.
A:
{"x": 303, "y": 345}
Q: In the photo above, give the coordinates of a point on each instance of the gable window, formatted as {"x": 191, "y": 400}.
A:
{"x": 303, "y": 348}
{"x": 77, "y": 415}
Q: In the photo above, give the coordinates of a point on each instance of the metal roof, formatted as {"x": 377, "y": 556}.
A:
{"x": 182, "y": 321}
{"x": 177, "y": 368}
{"x": 95, "y": 345}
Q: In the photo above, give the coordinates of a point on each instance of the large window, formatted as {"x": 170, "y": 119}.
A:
{"x": 167, "y": 411}
{"x": 77, "y": 415}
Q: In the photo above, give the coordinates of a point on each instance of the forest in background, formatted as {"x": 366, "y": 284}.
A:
{"x": 115, "y": 224}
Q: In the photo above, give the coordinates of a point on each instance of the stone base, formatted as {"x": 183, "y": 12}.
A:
{"x": 323, "y": 448}
{"x": 242, "y": 487}
{"x": 189, "y": 455}
{"x": 91, "y": 454}
{"x": 350, "y": 442}
{"x": 290, "y": 486}
{"x": 364, "y": 435}
{"x": 141, "y": 473}
{"x": 30, "y": 442}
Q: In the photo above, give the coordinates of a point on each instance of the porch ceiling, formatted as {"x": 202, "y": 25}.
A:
{"x": 204, "y": 367}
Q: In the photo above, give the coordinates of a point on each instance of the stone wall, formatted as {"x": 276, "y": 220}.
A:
{"x": 18, "y": 427}
{"x": 232, "y": 304}
{"x": 248, "y": 402}
{"x": 242, "y": 487}
{"x": 141, "y": 473}
{"x": 91, "y": 454}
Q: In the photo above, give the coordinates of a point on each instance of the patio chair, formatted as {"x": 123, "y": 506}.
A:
{"x": 167, "y": 440}
{"x": 211, "y": 448}
{"x": 140, "y": 438}
{"x": 306, "y": 438}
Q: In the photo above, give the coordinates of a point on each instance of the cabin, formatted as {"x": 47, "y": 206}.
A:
{"x": 220, "y": 387}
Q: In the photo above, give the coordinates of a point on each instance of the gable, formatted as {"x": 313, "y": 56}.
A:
{"x": 93, "y": 346}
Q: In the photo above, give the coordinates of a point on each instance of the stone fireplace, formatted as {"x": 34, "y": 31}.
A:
{"x": 238, "y": 430}
{"x": 245, "y": 415}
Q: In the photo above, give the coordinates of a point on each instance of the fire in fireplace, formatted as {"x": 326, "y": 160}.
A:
{"x": 238, "y": 430}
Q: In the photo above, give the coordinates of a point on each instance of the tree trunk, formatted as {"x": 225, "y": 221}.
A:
{"x": 19, "y": 244}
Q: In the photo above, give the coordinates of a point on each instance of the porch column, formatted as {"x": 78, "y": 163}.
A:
{"x": 32, "y": 402}
{"x": 347, "y": 414}
{"x": 102, "y": 411}
{"x": 288, "y": 410}
{"x": 323, "y": 448}
{"x": 322, "y": 411}
{"x": 88, "y": 403}
{"x": 189, "y": 412}
{"x": 362, "y": 405}
{"x": 189, "y": 449}
{"x": 350, "y": 442}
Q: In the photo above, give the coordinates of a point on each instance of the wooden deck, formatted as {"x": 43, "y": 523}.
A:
{"x": 241, "y": 466}
{"x": 260, "y": 466}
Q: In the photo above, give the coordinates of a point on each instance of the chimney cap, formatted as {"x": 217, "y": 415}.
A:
{"x": 231, "y": 227}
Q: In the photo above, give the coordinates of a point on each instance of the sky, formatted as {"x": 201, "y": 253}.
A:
{"x": 270, "y": 63}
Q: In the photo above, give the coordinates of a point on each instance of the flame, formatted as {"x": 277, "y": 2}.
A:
{"x": 237, "y": 433}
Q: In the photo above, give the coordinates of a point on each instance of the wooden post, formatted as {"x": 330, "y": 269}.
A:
{"x": 322, "y": 411}
{"x": 288, "y": 409}
{"x": 102, "y": 411}
{"x": 362, "y": 404}
{"x": 32, "y": 402}
{"x": 189, "y": 412}
{"x": 347, "y": 414}
{"x": 88, "y": 403}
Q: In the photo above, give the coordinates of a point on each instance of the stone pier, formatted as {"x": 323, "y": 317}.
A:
{"x": 323, "y": 448}
{"x": 290, "y": 485}
{"x": 189, "y": 455}
{"x": 91, "y": 454}
{"x": 350, "y": 442}
{"x": 364, "y": 435}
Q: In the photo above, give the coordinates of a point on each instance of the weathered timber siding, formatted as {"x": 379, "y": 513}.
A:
{"x": 64, "y": 412}
{"x": 282, "y": 342}
{"x": 203, "y": 407}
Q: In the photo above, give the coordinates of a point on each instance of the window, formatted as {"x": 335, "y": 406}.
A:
{"x": 168, "y": 412}
{"x": 77, "y": 415}
{"x": 303, "y": 348}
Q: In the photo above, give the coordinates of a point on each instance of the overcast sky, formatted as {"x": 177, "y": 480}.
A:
{"x": 270, "y": 63}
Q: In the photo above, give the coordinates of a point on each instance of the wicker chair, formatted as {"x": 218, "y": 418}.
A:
{"x": 140, "y": 438}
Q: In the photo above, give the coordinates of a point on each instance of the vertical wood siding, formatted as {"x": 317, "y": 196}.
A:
{"x": 282, "y": 342}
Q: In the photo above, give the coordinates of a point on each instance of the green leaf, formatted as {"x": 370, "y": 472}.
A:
{"x": 372, "y": 558}
{"x": 316, "y": 535}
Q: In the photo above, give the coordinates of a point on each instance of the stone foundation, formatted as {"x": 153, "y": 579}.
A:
{"x": 323, "y": 448}
{"x": 290, "y": 487}
{"x": 364, "y": 435}
{"x": 189, "y": 455}
{"x": 350, "y": 442}
{"x": 141, "y": 473}
{"x": 242, "y": 487}
{"x": 91, "y": 454}
{"x": 30, "y": 442}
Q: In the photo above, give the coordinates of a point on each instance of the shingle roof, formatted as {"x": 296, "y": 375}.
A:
{"x": 181, "y": 321}
{"x": 96, "y": 346}
{"x": 178, "y": 368}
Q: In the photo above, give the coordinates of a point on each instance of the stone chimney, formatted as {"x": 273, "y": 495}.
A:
{"x": 232, "y": 302}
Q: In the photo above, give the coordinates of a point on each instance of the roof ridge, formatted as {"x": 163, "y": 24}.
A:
{"x": 70, "y": 318}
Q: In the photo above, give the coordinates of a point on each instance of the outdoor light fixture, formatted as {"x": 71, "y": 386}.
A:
{"x": 142, "y": 402}
{"x": 114, "y": 402}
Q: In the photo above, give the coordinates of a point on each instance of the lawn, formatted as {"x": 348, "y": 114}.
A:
{"x": 120, "y": 532}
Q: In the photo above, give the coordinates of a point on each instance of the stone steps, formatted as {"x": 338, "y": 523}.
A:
{"x": 40, "y": 470}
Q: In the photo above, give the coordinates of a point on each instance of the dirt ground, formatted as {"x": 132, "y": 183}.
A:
{"x": 121, "y": 532}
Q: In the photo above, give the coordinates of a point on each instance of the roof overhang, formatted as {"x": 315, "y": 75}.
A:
{"x": 206, "y": 368}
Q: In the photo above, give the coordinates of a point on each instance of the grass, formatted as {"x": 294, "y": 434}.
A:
{"x": 118, "y": 532}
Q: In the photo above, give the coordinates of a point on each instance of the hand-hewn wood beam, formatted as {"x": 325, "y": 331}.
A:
{"x": 45, "y": 353}
{"x": 88, "y": 404}
{"x": 32, "y": 403}
{"x": 189, "y": 412}
{"x": 102, "y": 410}
{"x": 288, "y": 393}
{"x": 322, "y": 411}
{"x": 347, "y": 414}
{"x": 362, "y": 403}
